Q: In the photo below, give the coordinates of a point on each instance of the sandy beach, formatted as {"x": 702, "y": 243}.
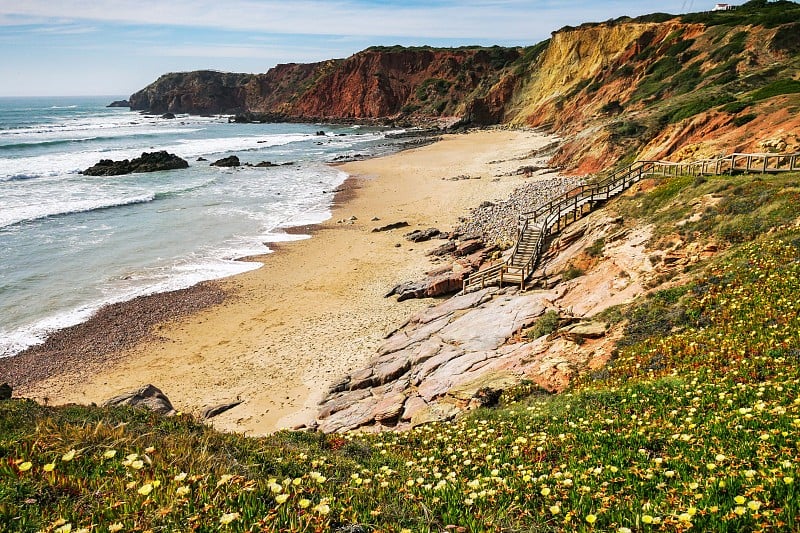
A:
{"x": 316, "y": 309}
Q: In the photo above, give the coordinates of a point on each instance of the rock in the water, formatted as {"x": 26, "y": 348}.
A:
{"x": 202, "y": 159}
{"x": 147, "y": 397}
{"x": 211, "y": 412}
{"x": 119, "y": 103}
{"x": 168, "y": 116}
{"x": 5, "y": 391}
{"x": 230, "y": 161}
{"x": 393, "y": 225}
{"x": 148, "y": 162}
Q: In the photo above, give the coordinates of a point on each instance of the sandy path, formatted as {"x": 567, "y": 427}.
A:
{"x": 316, "y": 309}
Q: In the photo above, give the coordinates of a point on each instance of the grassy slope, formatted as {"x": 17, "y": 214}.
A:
{"x": 694, "y": 423}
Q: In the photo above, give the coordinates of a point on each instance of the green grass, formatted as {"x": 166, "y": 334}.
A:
{"x": 545, "y": 325}
{"x": 692, "y": 426}
{"x": 776, "y": 88}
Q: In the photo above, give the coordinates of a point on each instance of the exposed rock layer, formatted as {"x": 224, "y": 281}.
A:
{"x": 657, "y": 86}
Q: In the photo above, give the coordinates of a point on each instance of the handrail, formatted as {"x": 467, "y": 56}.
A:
{"x": 551, "y": 214}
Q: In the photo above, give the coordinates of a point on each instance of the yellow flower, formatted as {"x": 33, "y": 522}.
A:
{"x": 182, "y": 490}
{"x": 304, "y": 503}
{"x": 405, "y": 530}
{"x": 281, "y": 498}
{"x": 685, "y": 517}
{"x": 468, "y": 501}
{"x": 591, "y": 518}
{"x": 180, "y": 477}
{"x": 754, "y": 505}
{"x": 647, "y": 519}
{"x": 145, "y": 489}
{"x": 109, "y": 454}
{"x": 713, "y": 509}
{"x": 788, "y": 480}
{"x": 66, "y": 528}
{"x": 224, "y": 478}
{"x": 49, "y": 467}
{"x": 69, "y": 456}
{"x": 739, "y": 499}
{"x": 24, "y": 467}
{"x": 740, "y": 510}
{"x": 322, "y": 508}
{"x": 545, "y": 491}
{"x": 116, "y": 526}
{"x": 227, "y": 518}
{"x": 275, "y": 488}
{"x": 624, "y": 530}
{"x": 137, "y": 465}
{"x": 555, "y": 509}
{"x": 149, "y": 449}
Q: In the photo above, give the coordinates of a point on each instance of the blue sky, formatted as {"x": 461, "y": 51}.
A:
{"x": 116, "y": 47}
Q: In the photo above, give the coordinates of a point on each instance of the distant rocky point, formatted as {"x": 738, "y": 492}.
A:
{"x": 148, "y": 162}
{"x": 119, "y": 103}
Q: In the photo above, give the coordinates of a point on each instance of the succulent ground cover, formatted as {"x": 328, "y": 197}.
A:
{"x": 690, "y": 427}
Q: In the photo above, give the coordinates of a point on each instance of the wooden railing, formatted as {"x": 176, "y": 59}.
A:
{"x": 552, "y": 216}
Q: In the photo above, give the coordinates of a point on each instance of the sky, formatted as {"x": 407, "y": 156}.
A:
{"x": 116, "y": 47}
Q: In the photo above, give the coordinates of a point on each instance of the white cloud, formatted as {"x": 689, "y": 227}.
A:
{"x": 494, "y": 20}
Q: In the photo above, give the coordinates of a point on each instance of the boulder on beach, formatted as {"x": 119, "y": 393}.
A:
{"x": 230, "y": 161}
{"x": 147, "y": 397}
{"x": 148, "y": 162}
{"x": 214, "y": 410}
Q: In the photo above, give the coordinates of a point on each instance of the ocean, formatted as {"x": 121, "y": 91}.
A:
{"x": 71, "y": 243}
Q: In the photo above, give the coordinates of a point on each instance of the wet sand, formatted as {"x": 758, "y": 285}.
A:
{"x": 279, "y": 336}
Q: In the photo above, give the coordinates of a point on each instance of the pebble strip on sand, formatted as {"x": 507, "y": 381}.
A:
{"x": 498, "y": 222}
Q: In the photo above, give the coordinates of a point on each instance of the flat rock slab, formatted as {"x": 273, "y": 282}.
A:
{"x": 211, "y": 412}
{"x": 586, "y": 330}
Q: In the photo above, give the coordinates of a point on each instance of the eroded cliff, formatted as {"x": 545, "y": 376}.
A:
{"x": 659, "y": 86}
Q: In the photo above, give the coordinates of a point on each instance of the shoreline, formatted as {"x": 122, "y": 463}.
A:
{"x": 314, "y": 311}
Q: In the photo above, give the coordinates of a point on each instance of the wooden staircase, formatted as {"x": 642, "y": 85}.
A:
{"x": 535, "y": 226}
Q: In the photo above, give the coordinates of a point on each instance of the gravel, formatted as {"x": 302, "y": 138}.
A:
{"x": 498, "y": 221}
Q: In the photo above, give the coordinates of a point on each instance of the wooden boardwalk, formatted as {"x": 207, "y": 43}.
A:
{"x": 535, "y": 226}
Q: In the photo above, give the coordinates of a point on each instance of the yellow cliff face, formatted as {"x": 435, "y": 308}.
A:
{"x": 572, "y": 57}
{"x": 627, "y": 89}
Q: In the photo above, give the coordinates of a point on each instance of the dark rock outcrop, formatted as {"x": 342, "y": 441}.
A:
{"x": 168, "y": 116}
{"x": 388, "y": 227}
{"x": 230, "y": 161}
{"x": 147, "y": 162}
{"x": 422, "y": 235}
{"x": 5, "y": 391}
{"x": 146, "y": 397}
{"x": 119, "y": 103}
